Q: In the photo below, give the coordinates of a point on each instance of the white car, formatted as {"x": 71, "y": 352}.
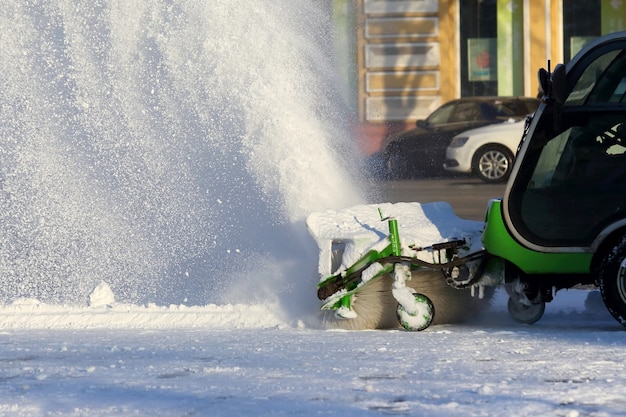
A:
{"x": 486, "y": 152}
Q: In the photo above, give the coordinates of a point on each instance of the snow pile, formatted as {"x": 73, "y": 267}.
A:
{"x": 103, "y": 312}
{"x": 101, "y": 296}
{"x": 32, "y": 314}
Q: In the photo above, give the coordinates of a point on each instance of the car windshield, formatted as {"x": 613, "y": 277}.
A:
{"x": 441, "y": 115}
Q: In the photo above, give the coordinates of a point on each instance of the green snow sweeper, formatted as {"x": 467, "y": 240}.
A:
{"x": 561, "y": 222}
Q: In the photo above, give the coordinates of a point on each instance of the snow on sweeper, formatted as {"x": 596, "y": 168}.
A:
{"x": 561, "y": 221}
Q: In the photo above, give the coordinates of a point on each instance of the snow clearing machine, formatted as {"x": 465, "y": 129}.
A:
{"x": 561, "y": 222}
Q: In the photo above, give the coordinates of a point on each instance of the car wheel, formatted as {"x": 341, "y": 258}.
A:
{"x": 397, "y": 166}
{"x": 612, "y": 280}
{"x": 492, "y": 163}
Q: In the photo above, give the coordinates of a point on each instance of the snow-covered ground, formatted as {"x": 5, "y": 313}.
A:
{"x": 157, "y": 163}
{"x": 238, "y": 360}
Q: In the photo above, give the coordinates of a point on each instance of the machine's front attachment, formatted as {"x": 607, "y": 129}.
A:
{"x": 385, "y": 258}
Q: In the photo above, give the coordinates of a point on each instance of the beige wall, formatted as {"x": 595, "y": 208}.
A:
{"x": 404, "y": 57}
{"x": 408, "y": 54}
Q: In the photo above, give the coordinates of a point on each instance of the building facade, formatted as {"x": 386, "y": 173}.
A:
{"x": 413, "y": 55}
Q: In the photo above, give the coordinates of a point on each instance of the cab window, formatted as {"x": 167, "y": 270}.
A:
{"x": 572, "y": 183}
{"x": 601, "y": 81}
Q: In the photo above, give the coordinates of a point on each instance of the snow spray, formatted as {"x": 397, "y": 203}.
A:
{"x": 169, "y": 148}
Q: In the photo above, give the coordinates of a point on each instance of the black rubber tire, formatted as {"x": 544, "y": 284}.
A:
{"x": 612, "y": 280}
{"x": 492, "y": 163}
{"x": 526, "y": 314}
{"x": 397, "y": 166}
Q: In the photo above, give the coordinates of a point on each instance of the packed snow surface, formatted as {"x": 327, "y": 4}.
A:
{"x": 243, "y": 360}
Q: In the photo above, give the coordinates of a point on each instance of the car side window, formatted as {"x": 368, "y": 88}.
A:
{"x": 505, "y": 110}
{"x": 465, "y": 112}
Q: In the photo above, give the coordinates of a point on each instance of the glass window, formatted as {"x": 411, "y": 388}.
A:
{"x": 466, "y": 112}
{"x": 478, "y": 27}
{"x": 572, "y": 183}
{"x": 578, "y": 181}
{"x": 601, "y": 81}
{"x": 581, "y": 23}
{"x": 441, "y": 115}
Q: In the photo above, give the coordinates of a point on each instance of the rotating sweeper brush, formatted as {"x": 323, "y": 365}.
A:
{"x": 561, "y": 223}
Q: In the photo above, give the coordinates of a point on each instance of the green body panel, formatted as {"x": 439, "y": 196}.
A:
{"x": 498, "y": 242}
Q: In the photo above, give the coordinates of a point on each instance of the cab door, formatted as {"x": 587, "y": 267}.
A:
{"x": 569, "y": 180}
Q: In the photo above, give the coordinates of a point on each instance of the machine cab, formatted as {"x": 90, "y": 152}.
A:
{"x": 568, "y": 185}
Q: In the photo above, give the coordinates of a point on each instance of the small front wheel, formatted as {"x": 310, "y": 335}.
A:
{"x": 525, "y": 313}
{"x": 612, "y": 279}
{"x": 417, "y": 317}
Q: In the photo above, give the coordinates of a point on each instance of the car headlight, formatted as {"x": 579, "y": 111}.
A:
{"x": 458, "y": 141}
